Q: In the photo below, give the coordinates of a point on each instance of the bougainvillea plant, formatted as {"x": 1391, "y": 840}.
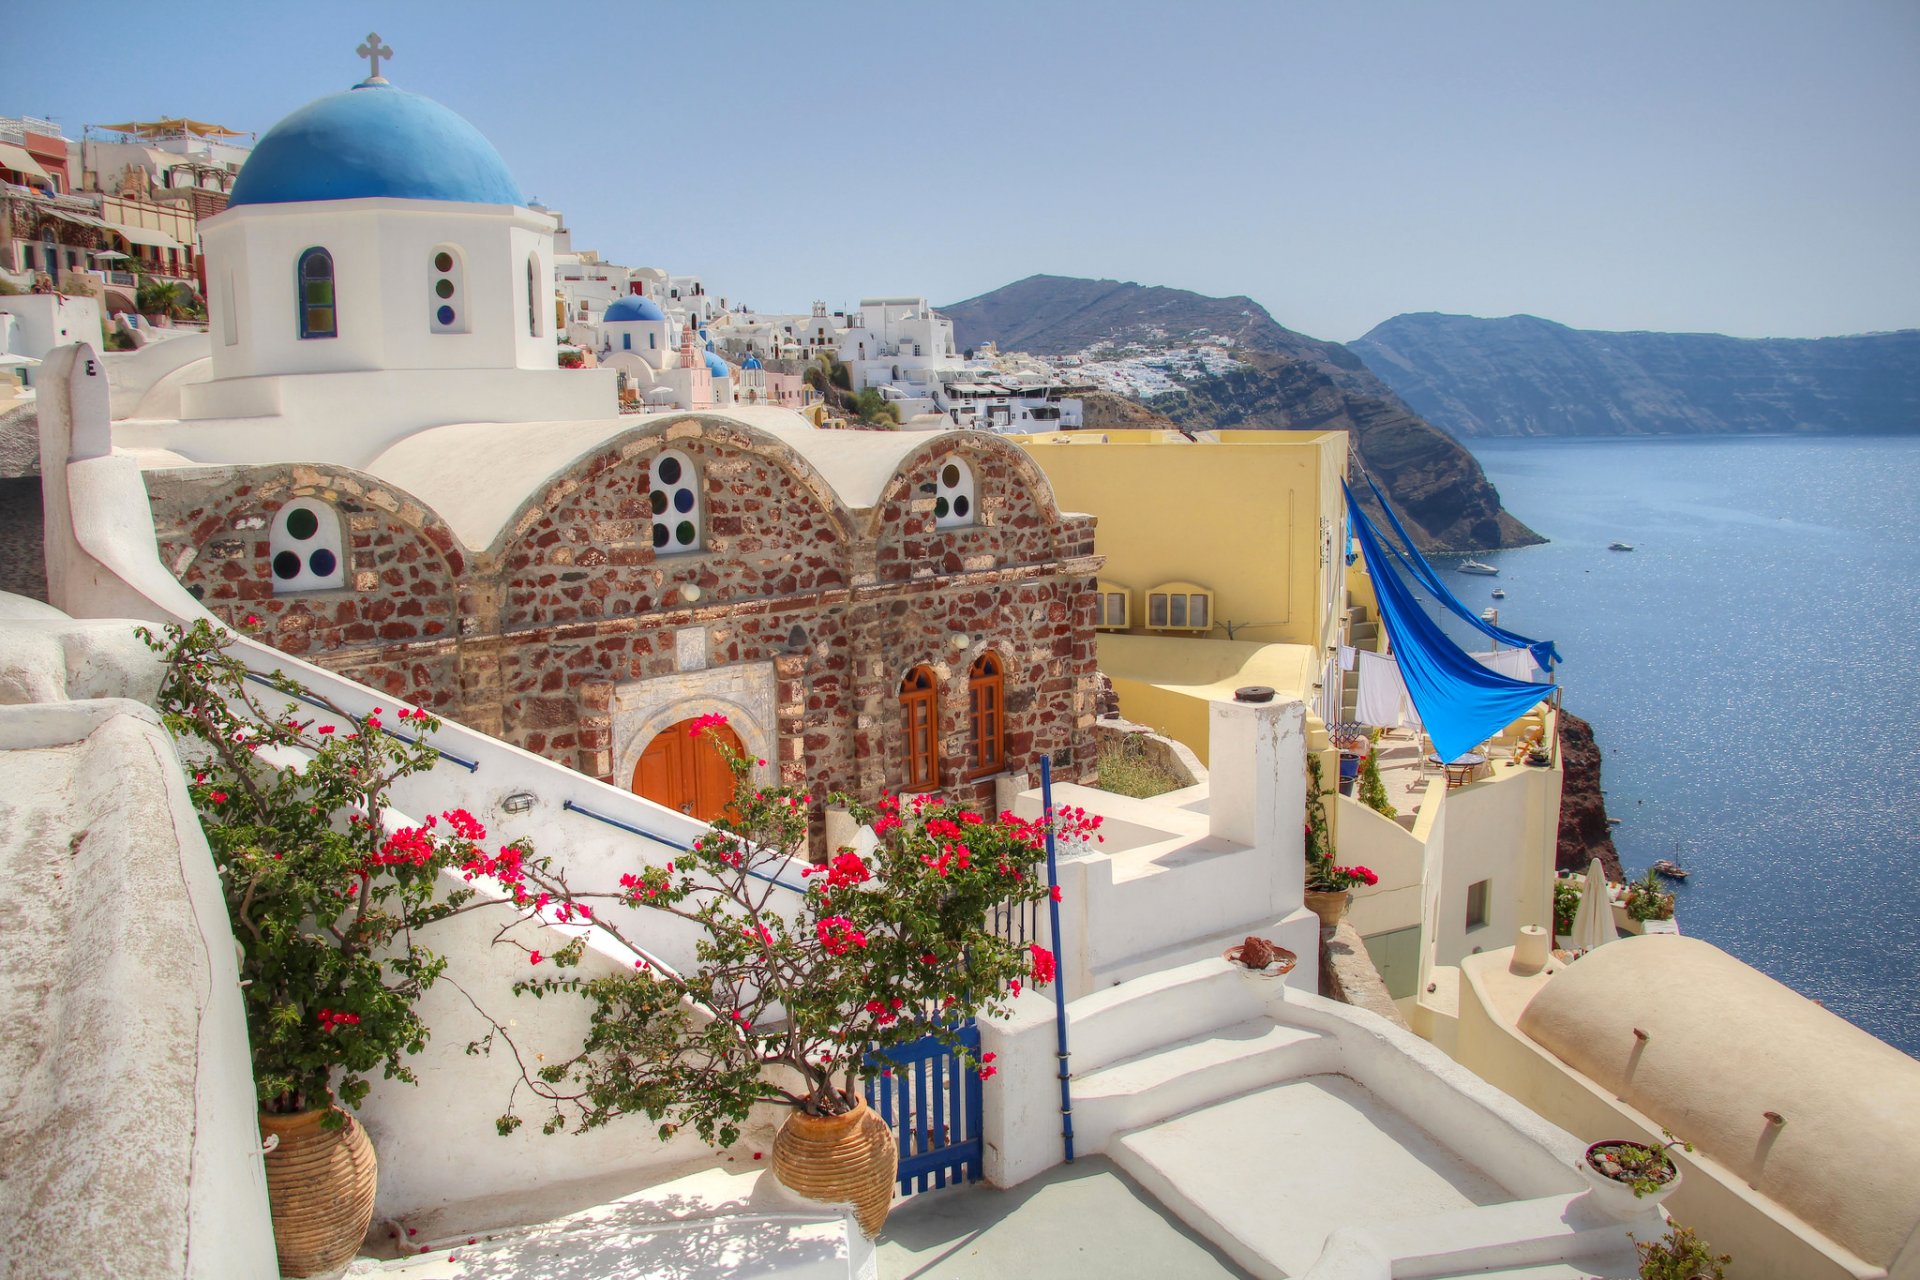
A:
{"x": 324, "y": 895}
{"x": 1322, "y": 876}
{"x": 800, "y": 973}
{"x": 1325, "y": 877}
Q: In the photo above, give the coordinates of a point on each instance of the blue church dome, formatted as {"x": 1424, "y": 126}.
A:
{"x": 634, "y": 306}
{"x": 716, "y": 366}
{"x": 374, "y": 140}
{"x": 753, "y": 362}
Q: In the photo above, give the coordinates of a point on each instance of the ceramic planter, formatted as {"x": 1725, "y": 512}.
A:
{"x": 1330, "y": 905}
{"x": 843, "y": 1159}
{"x": 1270, "y": 980}
{"x": 1614, "y": 1198}
{"x": 320, "y": 1185}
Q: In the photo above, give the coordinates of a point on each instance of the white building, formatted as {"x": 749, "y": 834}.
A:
{"x": 333, "y": 297}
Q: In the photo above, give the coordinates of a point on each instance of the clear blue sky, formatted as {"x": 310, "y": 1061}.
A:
{"x": 1738, "y": 166}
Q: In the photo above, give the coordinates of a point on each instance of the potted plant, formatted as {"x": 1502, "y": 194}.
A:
{"x": 1327, "y": 888}
{"x": 1566, "y": 905}
{"x": 1626, "y": 1175}
{"x": 1373, "y": 789}
{"x": 1648, "y": 900}
{"x": 793, "y": 991}
{"x": 325, "y": 903}
{"x": 1680, "y": 1255}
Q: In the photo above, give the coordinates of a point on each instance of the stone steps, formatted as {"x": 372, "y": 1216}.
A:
{"x": 1163, "y": 1007}
{"x": 1192, "y": 1073}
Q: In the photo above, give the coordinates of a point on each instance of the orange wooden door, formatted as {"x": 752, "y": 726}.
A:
{"x": 687, "y": 772}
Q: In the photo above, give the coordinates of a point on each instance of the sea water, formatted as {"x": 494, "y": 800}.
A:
{"x": 1752, "y": 673}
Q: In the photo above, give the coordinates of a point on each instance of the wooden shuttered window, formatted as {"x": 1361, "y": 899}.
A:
{"x": 986, "y": 713}
{"x": 920, "y": 714}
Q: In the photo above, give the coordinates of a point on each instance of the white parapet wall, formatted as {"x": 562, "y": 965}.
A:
{"x": 126, "y": 1089}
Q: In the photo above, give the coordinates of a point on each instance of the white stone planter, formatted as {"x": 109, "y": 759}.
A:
{"x": 1269, "y": 983}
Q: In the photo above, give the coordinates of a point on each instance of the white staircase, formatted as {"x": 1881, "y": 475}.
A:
{"x": 1176, "y": 1040}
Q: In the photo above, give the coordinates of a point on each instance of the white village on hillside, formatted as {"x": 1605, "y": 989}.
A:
{"x": 1315, "y": 1002}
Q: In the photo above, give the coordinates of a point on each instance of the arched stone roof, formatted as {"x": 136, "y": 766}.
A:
{"x": 1725, "y": 1045}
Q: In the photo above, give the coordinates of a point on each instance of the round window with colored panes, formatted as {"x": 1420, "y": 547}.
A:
{"x": 304, "y": 548}
{"x": 675, "y": 501}
{"x": 953, "y": 497}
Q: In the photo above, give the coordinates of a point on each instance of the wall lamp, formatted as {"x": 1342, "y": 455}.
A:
{"x": 518, "y": 802}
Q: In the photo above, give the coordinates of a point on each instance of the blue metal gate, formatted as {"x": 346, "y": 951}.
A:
{"x": 932, "y": 1100}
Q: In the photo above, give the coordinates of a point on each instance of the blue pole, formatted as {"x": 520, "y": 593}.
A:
{"x": 1059, "y": 973}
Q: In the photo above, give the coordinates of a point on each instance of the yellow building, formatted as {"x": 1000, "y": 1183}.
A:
{"x": 1231, "y": 539}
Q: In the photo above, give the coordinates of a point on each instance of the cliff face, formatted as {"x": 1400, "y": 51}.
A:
{"x": 1584, "y": 834}
{"x": 1283, "y": 381}
{"x": 1523, "y": 376}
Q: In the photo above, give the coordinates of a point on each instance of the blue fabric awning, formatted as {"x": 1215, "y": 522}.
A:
{"x": 1461, "y": 703}
{"x": 1543, "y": 651}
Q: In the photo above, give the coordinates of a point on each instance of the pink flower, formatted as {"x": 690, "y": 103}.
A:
{"x": 701, "y": 724}
{"x": 1043, "y": 967}
{"x": 218, "y": 797}
{"x": 326, "y": 728}
{"x": 533, "y": 957}
{"x": 1014, "y": 986}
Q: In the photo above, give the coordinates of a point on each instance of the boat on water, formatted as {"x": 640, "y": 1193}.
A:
{"x": 1499, "y": 593}
{"x": 1479, "y": 567}
{"x": 1619, "y": 546}
{"x": 1489, "y": 615}
{"x": 1670, "y": 869}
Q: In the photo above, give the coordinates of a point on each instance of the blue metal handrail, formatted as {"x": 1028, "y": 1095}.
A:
{"x": 670, "y": 842}
{"x": 1059, "y": 972}
{"x": 471, "y": 766}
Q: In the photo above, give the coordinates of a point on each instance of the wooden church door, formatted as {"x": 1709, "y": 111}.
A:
{"x": 686, "y": 771}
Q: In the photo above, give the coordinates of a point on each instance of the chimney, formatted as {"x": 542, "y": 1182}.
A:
{"x": 1257, "y": 765}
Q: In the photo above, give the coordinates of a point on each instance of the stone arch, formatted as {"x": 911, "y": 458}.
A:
{"x": 632, "y": 731}
{"x": 978, "y": 447}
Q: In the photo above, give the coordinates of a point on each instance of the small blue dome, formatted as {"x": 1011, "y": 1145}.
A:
{"x": 716, "y": 366}
{"x": 634, "y": 306}
{"x": 753, "y": 362}
{"x": 374, "y": 140}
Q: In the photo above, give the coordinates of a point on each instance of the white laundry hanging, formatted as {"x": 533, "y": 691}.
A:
{"x": 1383, "y": 697}
{"x": 1518, "y": 664}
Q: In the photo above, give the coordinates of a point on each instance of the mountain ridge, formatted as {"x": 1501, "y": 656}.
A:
{"x": 1524, "y": 375}
{"x": 1282, "y": 380}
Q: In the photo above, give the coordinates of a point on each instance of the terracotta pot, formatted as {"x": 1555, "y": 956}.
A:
{"x": 845, "y": 1159}
{"x": 1330, "y": 905}
{"x": 320, "y": 1185}
{"x": 1617, "y": 1199}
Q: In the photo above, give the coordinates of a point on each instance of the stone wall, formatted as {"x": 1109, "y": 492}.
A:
{"x": 571, "y": 634}
{"x": 1347, "y": 974}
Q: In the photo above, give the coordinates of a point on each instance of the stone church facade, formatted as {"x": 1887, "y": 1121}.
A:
{"x": 872, "y": 611}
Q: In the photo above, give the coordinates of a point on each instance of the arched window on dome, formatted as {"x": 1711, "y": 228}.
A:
{"x": 318, "y": 316}
{"x": 447, "y": 293}
{"x": 986, "y": 715}
{"x": 304, "y": 547}
{"x": 920, "y": 708}
{"x": 675, "y": 499}
{"x": 953, "y": 500}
